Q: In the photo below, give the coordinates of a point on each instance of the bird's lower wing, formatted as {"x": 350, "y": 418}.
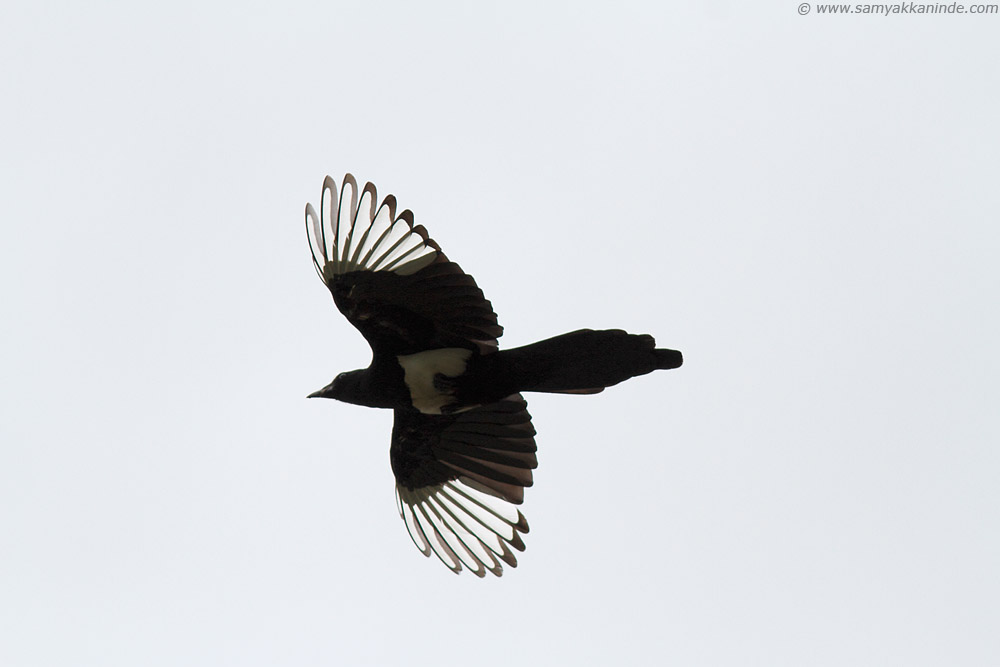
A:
{"x": 458, "y": 479}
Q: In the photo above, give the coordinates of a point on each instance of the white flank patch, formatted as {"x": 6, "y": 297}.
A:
{"x": 351, "y": 234}
{"x": 462, "y": 526}
{"x": 419, "y": 370}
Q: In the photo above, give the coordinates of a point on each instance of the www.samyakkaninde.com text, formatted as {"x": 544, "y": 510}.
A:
{"x": 907, "y": 8}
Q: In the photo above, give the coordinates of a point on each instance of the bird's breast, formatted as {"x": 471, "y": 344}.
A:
{"x": 426, "y": 376}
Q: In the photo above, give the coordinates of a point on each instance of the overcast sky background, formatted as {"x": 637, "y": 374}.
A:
{"x": 807, "y": 206}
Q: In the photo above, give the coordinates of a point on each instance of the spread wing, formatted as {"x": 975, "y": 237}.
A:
{"x": 390, "y": 279}
{"x": 458, "y": 479}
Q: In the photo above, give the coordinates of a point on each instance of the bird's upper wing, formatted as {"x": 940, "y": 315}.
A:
{"x": 458, "y": 479}
{"x": 390, "y": 279}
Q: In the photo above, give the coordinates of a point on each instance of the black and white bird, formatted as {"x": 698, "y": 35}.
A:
{"x": 462, "y": 447}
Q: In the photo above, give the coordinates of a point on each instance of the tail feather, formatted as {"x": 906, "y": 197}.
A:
{"x": 667, "y": 359}
{"x": 585, "y": 361}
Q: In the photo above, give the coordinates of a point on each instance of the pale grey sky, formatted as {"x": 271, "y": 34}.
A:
{"x": 805, "y": 205}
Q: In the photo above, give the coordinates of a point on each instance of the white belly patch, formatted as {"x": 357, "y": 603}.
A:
{"x": 419, "y": 370}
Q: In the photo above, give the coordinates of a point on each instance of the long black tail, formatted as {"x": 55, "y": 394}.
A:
{"x": 583, "y": 362}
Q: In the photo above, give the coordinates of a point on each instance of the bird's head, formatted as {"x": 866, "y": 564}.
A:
{"x": 343, "y": 388}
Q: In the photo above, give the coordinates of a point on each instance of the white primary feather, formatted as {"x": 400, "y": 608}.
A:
{"x": 351, "y": 233}
{"x": 462, "y": 525}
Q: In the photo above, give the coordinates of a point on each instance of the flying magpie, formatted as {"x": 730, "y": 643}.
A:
{"x": 462, "y": 447}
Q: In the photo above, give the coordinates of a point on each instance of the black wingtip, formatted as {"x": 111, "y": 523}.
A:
{"x": 667, "y": 359}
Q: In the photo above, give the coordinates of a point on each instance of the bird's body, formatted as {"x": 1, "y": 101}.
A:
{"x": 453, "y": 379}
{"x": 462, "y": 445}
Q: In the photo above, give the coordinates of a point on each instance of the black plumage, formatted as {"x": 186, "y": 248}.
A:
{"x": 462, "y": 447}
